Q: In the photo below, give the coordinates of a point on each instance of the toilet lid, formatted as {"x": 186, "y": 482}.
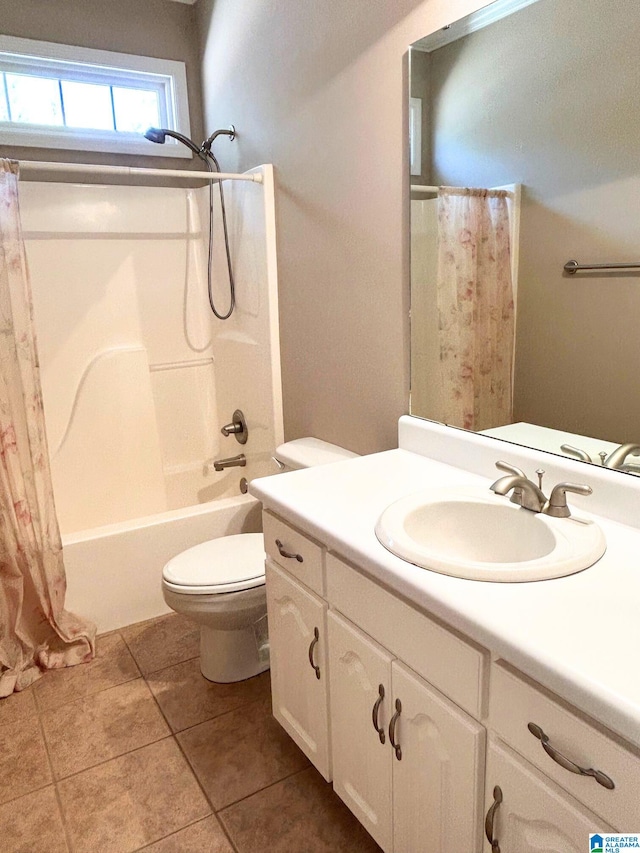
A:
{"x": 229, "y": 563}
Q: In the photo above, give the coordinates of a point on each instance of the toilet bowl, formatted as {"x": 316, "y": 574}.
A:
{"x": 220, "y": 584}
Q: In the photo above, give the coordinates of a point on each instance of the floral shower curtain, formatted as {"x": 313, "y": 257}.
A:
{"x": 36, "y": 633}
{"x": 476, "y": 323}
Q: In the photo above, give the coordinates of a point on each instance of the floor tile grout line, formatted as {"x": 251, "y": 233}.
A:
{"x": 27, "y": 793}
{"x": 131, "y": 652}
{"x": 63, "y": 820}
{"x": 113, "y": 758}
{"x": 162, "y": 668}
{"x": 171, "y": 665}
{"x": 218, "y": 716}
{"x": 63, "y": 816}
{"x": 206, "y": 796}
{"x": 56, "y": 778}
{"x": 87, "y": 695}
{"x": 260, "y": 790}
{"x": 193, "y": 773}
{"x": 40, "y": 710}
{"x": 175, "y": 832}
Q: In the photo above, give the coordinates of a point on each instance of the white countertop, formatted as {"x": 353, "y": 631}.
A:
{"x": 579, "y": 635}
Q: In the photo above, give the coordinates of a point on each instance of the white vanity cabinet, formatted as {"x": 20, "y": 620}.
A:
{"x": 394, "y": 707}
{"x": 589, "y": 780}
{"x": 408, "y": 763}
{"x": 299, "y": 677}
{"x": 527, "y": 813}
{"x": 360, "y": 690}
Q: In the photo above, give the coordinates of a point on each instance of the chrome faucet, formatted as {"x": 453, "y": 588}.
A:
{"x": 617, "y": 458}
{"x": 525, "y": 493}
{"x": 531, "y": 497}
{"x": 238, "y": 461}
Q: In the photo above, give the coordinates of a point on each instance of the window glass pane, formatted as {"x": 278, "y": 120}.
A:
{"x": 136, "y": 109}
{"x": 34, "y": 100}
{"x": 87, "y": 105}
{"x": 4, "y": 109}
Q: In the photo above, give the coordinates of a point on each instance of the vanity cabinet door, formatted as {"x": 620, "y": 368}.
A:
{"x": 360, "y": 691}
{"x": 438, "y": 780}
{"x": 534, "y": 815}
{"x": 299, "y": 678}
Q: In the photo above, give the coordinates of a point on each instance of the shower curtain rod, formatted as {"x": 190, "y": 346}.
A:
{"x": 133, "y": 171}
{"x": 423, "y": 188}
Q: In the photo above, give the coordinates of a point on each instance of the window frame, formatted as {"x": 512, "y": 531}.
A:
{"x": 88, "y": 65}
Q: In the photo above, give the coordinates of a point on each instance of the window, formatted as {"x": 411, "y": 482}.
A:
{"x": 58, "y": 96}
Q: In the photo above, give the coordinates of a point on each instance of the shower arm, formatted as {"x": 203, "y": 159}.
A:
{"x": 205, "y": 148}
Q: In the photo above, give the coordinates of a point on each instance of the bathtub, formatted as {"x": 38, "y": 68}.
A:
{"x": 114, "y": 571}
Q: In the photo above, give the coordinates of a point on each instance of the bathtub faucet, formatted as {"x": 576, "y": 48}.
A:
{"x": 238, "y": 461}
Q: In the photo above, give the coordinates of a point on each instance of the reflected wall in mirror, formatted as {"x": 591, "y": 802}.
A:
{"x": 547, "y": 98}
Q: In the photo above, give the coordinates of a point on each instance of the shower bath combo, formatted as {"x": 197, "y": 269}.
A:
{"x": 135, "y": 377}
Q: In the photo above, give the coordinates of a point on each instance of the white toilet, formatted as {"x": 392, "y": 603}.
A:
{"x": 220, "y": 584}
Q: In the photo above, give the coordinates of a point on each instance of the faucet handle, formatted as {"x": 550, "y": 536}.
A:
{"x": 510, "y": 469}
{"x": 557, "y": 504}
{"x": 582, "y": 455}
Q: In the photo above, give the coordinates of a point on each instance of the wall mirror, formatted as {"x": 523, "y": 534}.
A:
{"x": 536, "y": 104}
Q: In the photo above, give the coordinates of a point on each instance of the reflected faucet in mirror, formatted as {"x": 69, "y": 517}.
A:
{"x": 617, "y": 459}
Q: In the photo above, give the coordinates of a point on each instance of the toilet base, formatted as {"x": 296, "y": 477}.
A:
{"x": 227, "y": 656}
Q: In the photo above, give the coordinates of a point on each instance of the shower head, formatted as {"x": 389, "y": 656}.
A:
{"x": 159, "y": 135}
{"x": 230, "y": 132}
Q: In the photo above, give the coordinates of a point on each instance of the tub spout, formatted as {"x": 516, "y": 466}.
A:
{"x": 238, "y": 461}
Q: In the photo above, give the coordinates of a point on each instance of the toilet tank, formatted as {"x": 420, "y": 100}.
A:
{"x": 307, "y": 452}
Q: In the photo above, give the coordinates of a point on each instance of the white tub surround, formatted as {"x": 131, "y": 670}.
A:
{"x": 139, "y": 377}
{"x": 576, "y": 636}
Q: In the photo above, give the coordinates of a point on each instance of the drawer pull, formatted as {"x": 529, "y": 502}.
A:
{"x": 375, "y": 711}
{"x": 287, "y": 554}
{"x": 392, "y": 730}
{"x": 488, "y": 821}
{"x": 316, "y": 638}
{"x": 600, "y": 777}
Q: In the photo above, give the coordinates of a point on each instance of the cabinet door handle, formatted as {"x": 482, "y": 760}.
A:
{"x": 375, "y": 711}
{"x": 288, "y": 554}
{"x": 488, "y": 821}
{"x": 600, "y": 777}
{"x": 392, "y": 730}
{"x": 316, "y": 638}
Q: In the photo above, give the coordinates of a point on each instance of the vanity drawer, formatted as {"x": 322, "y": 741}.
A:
{"x": 449, "y": 663}
{"x": 515, "y": 703}
{"x": 306, "y": 560}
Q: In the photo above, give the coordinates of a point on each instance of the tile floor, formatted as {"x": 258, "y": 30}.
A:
{"x": 137, "y": 751}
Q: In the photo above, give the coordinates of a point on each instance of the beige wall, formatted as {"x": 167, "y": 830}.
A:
{"x": 155, "y": 28}
{"x": 551, "y": 98}
{"x": 317, "y": 88}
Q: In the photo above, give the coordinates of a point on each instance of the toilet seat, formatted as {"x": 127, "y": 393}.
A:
{"x": 229, "y": 564}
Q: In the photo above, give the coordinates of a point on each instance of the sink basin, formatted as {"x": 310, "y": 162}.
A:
{"x": 474, "y": 534}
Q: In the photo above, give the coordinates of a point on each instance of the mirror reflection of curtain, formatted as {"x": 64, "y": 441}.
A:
{"x": 476, "y": 324}
{"x": 36, "y": 632}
